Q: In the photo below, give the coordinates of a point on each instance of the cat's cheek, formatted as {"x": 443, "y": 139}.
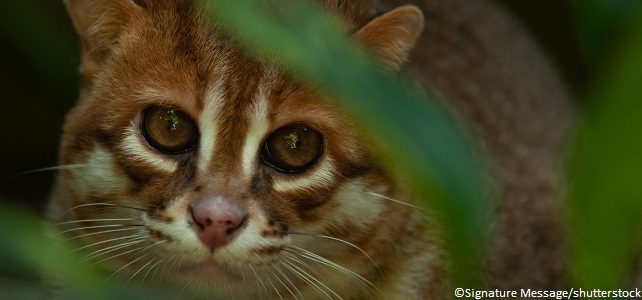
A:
{"x": 98, "y": 176}
{"x": 349, "y": 214}
{"x": 358, "y": 205}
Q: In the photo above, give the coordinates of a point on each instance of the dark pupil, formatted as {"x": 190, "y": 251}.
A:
{"x": 292, "y": 148}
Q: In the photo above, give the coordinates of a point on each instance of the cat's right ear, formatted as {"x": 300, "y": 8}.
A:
{"x": 99, "y": 24}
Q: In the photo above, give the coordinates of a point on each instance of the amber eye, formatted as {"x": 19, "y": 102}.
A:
{"x": 169, "y": 130}
{"x": 292, "y": 149}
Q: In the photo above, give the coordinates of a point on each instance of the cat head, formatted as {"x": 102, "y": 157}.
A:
{"x": 210, "y": 166}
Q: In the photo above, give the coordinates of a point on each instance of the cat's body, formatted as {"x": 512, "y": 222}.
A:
{"x": 318, "y": 193}
{"x": 493, "y": 74}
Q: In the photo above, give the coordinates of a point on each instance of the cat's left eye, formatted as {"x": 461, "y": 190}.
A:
{"x": 292, "y": 149}
{"x": 169, "y": 130}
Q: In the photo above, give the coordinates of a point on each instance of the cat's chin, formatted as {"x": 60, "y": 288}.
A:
{"x": 208, "y": 268}
{"x": 207, "y": 279}
{"x": 230, "y": 271}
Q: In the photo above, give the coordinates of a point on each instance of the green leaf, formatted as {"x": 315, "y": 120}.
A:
{"x": 413, "y": 132}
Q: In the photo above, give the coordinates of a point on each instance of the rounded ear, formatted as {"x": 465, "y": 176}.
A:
{"x": 99, "y": 24}
{"x": 393, "y": 35}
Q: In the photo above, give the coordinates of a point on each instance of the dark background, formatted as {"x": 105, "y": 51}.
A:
{"x": 39, "y": 81}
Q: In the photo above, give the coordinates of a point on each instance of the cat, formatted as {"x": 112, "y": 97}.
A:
{"x": 202, "y": 168}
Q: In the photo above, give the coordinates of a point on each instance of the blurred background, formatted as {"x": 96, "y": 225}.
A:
{"x": 39, "y": 80}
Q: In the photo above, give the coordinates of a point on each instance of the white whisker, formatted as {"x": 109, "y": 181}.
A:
{"x": 107, "y": 241}
{"x": 304, "y": 264}
{"x": 155, "y": 271}
{"x": 397, "y": 201}
{"x": 259, "y": 281}
{"x": 300, "y": 276}
{"x": 101, "y": 226}
{"x": 313, "y": 256}
{"x": 110, "y": 249}
{"x": 274, "y": 288}
{"x": 101, "y": 204}
{"x": 345, "y": 242}
{"x": 139, "y": 249}
{"x": 95, "y": 220}
{"x": 283, "y": 284}
{"x": 312, "y": 280}
{"x": 101, "y": 232}
{"x": 141, "y": 268}
{"x": 125, "y": 266}
{"x": 150, "y": 269}
{"x": 288, "y": 280}
{"x": 54, "y": 168}
{"x": 112, "y": 275}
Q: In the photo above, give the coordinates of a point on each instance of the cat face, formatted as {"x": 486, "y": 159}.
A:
{"x": 204, "y": 167}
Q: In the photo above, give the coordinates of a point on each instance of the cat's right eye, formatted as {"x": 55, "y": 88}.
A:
{"x": 169, "y": 130}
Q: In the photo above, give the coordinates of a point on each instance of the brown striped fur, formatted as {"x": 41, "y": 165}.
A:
{"x": 141, "y": 53}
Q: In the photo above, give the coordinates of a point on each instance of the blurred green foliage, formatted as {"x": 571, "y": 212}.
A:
{"x": 605, "y": 24}
{"x": 32, "y": 31}
{"x": 26, "y": 246}
{"x": 39, "y": 58}
{"x": 606, "y": 199}
{"x": 605, "y": 207}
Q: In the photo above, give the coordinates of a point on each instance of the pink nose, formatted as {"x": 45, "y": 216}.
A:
{"x": 216, "y": 219}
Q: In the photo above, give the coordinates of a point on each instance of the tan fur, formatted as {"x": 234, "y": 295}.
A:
{"x": 168, "y": 53}
{"x": 392, "y": 35}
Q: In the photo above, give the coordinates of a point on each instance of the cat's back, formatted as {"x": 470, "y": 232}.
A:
{"x": 501, "y": 84}
{"x": 476, "y": 56}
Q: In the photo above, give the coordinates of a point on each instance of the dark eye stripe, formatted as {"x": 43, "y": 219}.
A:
{"x": 169, "y": 130}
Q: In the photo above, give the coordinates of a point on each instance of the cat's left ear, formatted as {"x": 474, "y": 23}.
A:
{"x": 393, "y": 35}
{"x": 99, "y": 24}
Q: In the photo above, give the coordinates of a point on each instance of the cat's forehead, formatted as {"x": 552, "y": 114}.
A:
{"x": 228, "y": 92}
{"x": 184, "y": 61}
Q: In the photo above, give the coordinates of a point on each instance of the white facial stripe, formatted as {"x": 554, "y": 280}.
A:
{"x": 149, "y": 93}
{"x": 258, "y": 116}
{"x": 208, "y": 125}
{"x": 99, "y": 176}
{"x": 132, "y": 145}
{"x": 321, "y": 176}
